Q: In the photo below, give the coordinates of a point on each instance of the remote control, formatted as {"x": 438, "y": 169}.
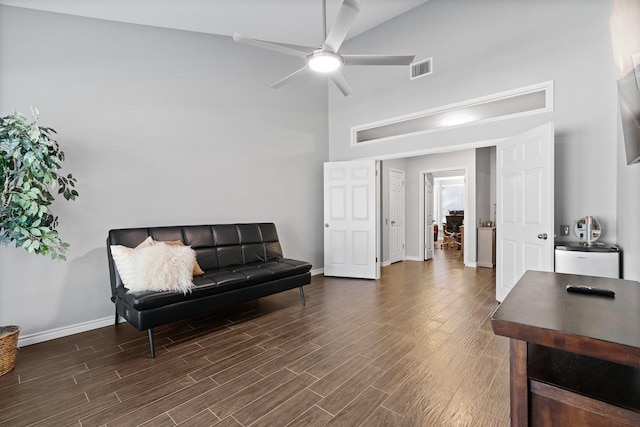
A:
{"x": 583, "y": 289}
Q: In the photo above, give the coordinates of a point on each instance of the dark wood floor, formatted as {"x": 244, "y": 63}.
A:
{"x": 414, "y": 348}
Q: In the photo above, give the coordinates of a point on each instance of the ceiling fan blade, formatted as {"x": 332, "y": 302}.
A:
{"x": 284, "y": 80}
{"x": 341, "y": 26}
{"x": 341, "y": 82}
{"x": 269, "y": 45}
{"x": 378, "y": 59}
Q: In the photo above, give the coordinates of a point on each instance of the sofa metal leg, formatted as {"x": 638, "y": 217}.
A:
{"x": 151, "y": 343}
{"x": 302, "y": 296}
{"x": 117, "y": 317}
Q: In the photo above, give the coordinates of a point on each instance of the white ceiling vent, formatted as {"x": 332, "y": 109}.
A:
{"x": 422, "y": 68}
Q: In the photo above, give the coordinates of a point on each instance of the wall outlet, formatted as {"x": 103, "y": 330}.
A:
{"x": 564, "y": 230}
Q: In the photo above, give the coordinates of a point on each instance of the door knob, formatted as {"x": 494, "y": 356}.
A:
{"x": 326, "y": 225}
{"x": 542, "y": 236}
{"x": 393, "y": 223}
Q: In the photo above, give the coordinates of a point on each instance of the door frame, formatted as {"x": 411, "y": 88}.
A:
{"x": 468, "y": 228}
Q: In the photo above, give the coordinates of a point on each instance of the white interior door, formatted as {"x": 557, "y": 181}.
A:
{"x": 525, "y": 194}
{"x": 428, "y": 216}
{"x": 350, "y": 219}
{"x": 396, "y": 216}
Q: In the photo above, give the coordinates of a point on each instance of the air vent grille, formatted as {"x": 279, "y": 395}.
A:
{"x": 422, "y": 68}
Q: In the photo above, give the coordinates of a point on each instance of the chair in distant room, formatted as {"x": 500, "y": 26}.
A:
{"x": 452, "y": 237}
{"x": 447, "y": 238}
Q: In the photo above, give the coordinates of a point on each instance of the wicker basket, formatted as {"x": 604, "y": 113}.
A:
{"x": 8, "y": 347}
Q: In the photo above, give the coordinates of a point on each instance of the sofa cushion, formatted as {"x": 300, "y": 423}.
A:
{"x": 125, "y": 260}
{"x": 163, "y": 267}
{"x": 197, "y": 271}
{"x": 166, "y": 233}
{"x": 219, "y": 281}
{"x": 198, "y": 236}
{"x": 249, "y": 233}
{"x": 207, "y": 258}
{"x": 229, "y": 255}
{"x": 253, "y": 252}
{"x": 225, "y": 235}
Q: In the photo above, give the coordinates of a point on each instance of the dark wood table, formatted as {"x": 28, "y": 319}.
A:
{"x": 574, "y": 358}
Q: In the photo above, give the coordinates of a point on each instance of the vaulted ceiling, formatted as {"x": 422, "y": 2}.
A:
{"x": 297, "y": 22}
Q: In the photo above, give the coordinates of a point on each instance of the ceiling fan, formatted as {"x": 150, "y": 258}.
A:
{"x": 326, "y": 58}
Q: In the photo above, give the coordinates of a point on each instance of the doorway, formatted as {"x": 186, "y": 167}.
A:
{"x": 415, "y": 167}
{"x": 445, "y": 193}
{"x": 534, "y": 145}
{"x": 447, "y": 197}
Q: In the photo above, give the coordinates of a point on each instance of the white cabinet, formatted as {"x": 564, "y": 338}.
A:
{"x": 600, "y": 261}
{"x": 487, "y": 247}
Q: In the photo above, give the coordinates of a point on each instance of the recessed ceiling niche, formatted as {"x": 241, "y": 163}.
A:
{"x": 520, "y": 102}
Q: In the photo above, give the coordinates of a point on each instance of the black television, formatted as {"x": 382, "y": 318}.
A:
{"x": 630, "y": 127}
{"x": 625, "y": 37}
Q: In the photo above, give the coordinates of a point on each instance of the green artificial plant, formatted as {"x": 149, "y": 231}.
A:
{"x": 29, "y": 163}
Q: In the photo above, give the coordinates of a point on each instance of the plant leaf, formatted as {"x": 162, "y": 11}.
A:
{"x": 29, "y": 163}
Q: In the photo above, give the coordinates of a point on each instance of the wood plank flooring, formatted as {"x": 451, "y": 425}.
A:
{"x": 414, "y": 348}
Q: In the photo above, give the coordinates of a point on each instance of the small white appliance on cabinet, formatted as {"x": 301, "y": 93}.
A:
{"x": 599, "y": 259}
{"x": 587, "y": 256}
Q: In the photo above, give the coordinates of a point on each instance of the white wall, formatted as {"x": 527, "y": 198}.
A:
{"x": 160, "y": 127}
{"x": 486, "y": 47}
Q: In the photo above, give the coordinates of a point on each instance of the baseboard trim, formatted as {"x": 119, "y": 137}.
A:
{"x": 486, "y": 264}
{"x": 64, "y": 331}
{"x": 413, "y": 258}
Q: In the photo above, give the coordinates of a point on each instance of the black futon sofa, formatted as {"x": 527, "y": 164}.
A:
{"x": 241, "y": 262}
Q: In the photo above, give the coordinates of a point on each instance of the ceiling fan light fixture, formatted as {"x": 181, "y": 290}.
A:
{"x": 326, "y": 59}
{"x": 323, "y": 61}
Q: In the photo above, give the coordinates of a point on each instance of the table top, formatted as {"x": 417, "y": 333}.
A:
{"x": 540, "y": 310}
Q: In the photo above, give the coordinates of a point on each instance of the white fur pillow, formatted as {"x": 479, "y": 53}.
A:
{"x": 163, "y": 267}
{"x": 125, "y": 259}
